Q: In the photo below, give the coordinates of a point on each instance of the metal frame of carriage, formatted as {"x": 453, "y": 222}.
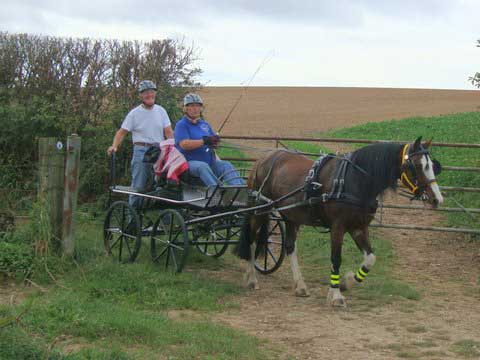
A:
{"x": 209, "y": 219}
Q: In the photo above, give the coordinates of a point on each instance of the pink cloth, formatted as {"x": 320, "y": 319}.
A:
{"x": 171, "y": 161}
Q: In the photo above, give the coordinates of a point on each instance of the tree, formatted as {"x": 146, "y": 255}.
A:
{"x": 476, "y": 78}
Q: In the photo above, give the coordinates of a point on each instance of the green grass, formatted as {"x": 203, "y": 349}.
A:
{"x": 307, "y": 147}
{"x": 380, "y": 286}
{"x": 466, "y": 348}
{"x": 120, "y": 311}
{"x": 456, "y": 128}
{"x": 224, "y": 152}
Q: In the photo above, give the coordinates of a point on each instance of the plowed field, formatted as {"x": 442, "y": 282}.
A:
{"x": 298, "y": 111}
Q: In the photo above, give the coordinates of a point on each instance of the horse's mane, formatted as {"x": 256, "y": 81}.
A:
{"x": 382, "y": 162}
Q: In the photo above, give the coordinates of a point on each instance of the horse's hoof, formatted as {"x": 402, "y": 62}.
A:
{"x": 339, "y": 302}
{"x": 302, "y": 292}
{"x": 347, "y": 282}
{"x": 253, "y": 285}
{"x": 335, "y": 299}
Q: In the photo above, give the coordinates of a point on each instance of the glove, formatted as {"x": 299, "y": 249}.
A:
{"x": 211, "y": 141}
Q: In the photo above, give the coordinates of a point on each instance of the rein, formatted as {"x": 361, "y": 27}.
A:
{"x": 268, "y": 174}
{"x": 343, "y": 158}
{"x": 253, "y": 148}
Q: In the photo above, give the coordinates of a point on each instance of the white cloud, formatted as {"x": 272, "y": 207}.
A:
{"x": 429, "y": 44}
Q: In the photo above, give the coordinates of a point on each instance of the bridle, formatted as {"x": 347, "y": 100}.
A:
{"x": 407, "y": 166}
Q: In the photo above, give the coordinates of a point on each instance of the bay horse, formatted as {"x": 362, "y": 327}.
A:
{"x": 341, "y": 195}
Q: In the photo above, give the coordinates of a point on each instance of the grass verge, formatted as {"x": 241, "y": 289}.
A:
{"x": 99, "y": 309}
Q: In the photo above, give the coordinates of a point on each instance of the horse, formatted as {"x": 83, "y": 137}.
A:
{"x": 339, "y": 193}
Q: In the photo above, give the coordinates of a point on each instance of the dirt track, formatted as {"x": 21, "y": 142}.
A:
{"x": 444, "y": 268}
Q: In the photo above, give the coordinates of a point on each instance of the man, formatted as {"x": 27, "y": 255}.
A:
{"x": 196, "y": 140}
{"x": 149, "y": 124}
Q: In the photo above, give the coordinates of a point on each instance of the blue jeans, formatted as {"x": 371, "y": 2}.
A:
{"x": 142, "y": 173}
{"x": 210, "y": 175}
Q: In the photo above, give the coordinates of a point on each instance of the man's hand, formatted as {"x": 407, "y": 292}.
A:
{"x": 117, "y": 140}
{"x": 211, "y": 141}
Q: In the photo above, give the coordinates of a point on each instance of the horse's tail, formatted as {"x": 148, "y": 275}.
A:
{"x": 242, "y": 249}
{"x": 262, "y": 238}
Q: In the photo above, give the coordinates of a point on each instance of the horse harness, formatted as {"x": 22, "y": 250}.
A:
{"x": 313, "y": 189}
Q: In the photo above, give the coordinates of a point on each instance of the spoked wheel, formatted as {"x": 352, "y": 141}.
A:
{"x": 121, "y": 232}
{"x": 211, "y": 234}
{"x": 269, "y": 255}
{"x": 169, "y": 241}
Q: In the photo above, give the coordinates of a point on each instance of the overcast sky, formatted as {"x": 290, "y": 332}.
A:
{"x": 365, "y": 43}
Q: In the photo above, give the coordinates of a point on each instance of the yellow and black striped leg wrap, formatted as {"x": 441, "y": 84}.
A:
{"x": 334, "y": 281}
{"x": 361, "y": 274}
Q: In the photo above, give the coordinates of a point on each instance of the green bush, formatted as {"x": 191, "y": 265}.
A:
{"x": 53, "y": 87}
{"x": 28, "y": 249}
{"x": 16, "y": 259}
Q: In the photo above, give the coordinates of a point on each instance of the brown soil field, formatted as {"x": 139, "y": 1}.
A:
{"x": 299, "y": 111}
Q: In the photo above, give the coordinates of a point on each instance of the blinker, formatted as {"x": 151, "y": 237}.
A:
{"x": 437, "y": 167}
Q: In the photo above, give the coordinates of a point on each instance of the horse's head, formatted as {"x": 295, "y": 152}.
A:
{"x": 418, "y": 172}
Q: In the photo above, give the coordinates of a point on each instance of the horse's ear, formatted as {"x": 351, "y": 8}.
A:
{"x": 427, "y": 144}
{"x": 417, "y": 143}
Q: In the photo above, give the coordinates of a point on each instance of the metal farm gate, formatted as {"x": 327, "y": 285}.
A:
{"x": 279, "y": 142}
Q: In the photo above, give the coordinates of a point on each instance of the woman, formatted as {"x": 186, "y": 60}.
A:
{"x": 195, "y": 138}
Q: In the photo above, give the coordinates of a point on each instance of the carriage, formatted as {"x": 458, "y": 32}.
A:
{"x": 176, "y": 219}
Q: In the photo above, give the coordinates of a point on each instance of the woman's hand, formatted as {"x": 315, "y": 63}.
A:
{"x": 211, "y": 141}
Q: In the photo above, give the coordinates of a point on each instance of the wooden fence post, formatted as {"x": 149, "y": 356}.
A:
{"x": 72, "y": 165}
{"x": 51, "y": 174}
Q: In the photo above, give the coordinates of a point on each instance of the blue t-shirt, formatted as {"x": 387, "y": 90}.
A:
{"x": 185, "y": 130}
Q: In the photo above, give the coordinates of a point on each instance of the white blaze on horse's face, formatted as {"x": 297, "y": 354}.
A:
{"x": 433, "y": 191}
